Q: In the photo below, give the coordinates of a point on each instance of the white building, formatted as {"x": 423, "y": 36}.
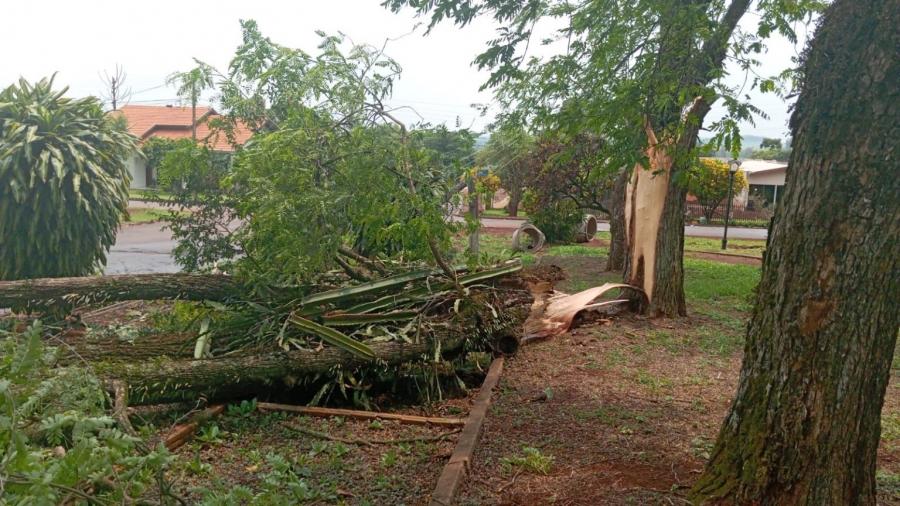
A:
{"x": 764, "y": 177}
{"x": 173, "y": 123}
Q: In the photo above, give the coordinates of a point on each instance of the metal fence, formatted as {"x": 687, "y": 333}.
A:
{"x": 738, "y": 212}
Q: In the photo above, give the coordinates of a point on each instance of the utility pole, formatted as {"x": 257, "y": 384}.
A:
{"x": 473, "y": 213}
{"x": 194, "y": 111}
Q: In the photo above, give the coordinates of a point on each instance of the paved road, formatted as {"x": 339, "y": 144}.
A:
{"x": 147, "y": 249}
{"x": 141, "y": 249}
{"x": 690, "y": 230}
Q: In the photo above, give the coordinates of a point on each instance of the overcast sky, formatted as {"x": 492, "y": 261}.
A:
{"x": 81, "y": 39}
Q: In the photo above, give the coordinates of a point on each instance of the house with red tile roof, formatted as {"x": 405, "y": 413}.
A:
{"x": 174, "y": 122}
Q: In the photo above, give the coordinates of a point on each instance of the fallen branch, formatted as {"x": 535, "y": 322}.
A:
{"x": 363, "y": 415}
{"x": 510, "y": 482}
{"x": 368, "y": 442}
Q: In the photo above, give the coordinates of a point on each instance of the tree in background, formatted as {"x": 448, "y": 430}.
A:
{"x": 485, "y": 185}
{"x": 769, "y": 143}
{"x": 779, "y": 155}
{"x": 562, "y": 177}
{"x": 708, "y": 181}
{"x": 644, "y": 74}
{"x": 502, "y": 154}
{"x": 805, "y": 422}
{"x": 190, "y": 86}
{"x": 117, "y": 93}
{"x": 452, "y": 151}
{"x": 63, "y": 182}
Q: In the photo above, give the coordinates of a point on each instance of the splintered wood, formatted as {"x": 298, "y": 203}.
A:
{"x": 645, "y": 200}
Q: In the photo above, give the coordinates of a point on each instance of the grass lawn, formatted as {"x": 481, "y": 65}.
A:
{"x": 145, "y": 215}
{"x": 148, "y": 193}
{"x": 500, "y": 213}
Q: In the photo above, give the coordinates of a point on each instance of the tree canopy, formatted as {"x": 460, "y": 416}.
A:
{"x": 709, "y": 182}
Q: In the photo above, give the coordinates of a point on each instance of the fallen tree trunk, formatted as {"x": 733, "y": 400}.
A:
{"x": 93, "y": 289}
{"x": 167, "y": 378}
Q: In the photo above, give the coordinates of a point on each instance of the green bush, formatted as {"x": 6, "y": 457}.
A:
{"x": 558, "y": 220}
{"x": 63, "y": 182}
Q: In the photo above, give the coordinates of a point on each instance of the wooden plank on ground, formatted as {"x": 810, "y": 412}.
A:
{"x": 362, "y": 415}
{"x": 453, "y": 473}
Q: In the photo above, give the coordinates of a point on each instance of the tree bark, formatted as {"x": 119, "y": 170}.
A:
{"x": 92, "y": 289}
{"x": 617, "y": 247}
{"x": 804, "y": 427}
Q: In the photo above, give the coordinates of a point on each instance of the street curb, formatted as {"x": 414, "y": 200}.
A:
{"x": 460, "y": 461}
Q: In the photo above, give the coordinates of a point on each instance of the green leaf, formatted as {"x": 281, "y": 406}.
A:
{"x": 347, "y": 319}
{"x": 370, "y": 288}
{"x": 334, "y": 337}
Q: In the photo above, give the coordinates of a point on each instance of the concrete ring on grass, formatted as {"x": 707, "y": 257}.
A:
{"x": 587, "y": 231}
{"x": 535, "y": 239}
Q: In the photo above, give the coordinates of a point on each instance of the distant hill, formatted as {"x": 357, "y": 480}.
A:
{"x": 748, "y": 141}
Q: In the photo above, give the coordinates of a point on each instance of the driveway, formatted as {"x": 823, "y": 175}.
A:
{"x": 146, "y": 248}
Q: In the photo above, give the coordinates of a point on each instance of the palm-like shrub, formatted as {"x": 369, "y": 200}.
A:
{"x": 63, "y": 182}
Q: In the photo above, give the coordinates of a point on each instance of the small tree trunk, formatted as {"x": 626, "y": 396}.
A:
{"x": 513, "y": 206}
{"x": 617, "y": 248}
{"x": 805, "y": 423}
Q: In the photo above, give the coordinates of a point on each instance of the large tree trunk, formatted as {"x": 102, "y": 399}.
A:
{"x": 617, "y": 244}
{"x": 805, "y": 423}
{"x": 122, "y": 287}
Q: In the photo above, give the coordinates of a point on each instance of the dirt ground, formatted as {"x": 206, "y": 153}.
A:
{"x": 621, "y": 411}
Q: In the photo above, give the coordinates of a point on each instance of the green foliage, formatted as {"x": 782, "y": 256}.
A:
{"x": 769, "y": 143}
{"x": 45, "y": 406}
{"x": 197, "y": 179}
{"x": 533, "y": 461}
{"x": 708, "y": 181}
{"x": 562, "y": 168}
{"x": 328, "y": 166}
{"x": 451, "y": 151}
{"x": 558, "y": 220}
{"x": 63, "y": 182}
{"x": 779, "y": 155}
{"x": 502, "y": 154}
{"x": 621, "y": 64}
{"x": 156, "y": 148}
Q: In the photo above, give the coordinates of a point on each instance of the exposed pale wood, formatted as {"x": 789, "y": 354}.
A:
{"x": 645, "y": 198}
{"x": 363, "y": 415}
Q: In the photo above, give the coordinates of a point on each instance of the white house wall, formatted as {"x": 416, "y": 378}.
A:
{"x": 138, "y": 172}
{"x": 769, "y": 177}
